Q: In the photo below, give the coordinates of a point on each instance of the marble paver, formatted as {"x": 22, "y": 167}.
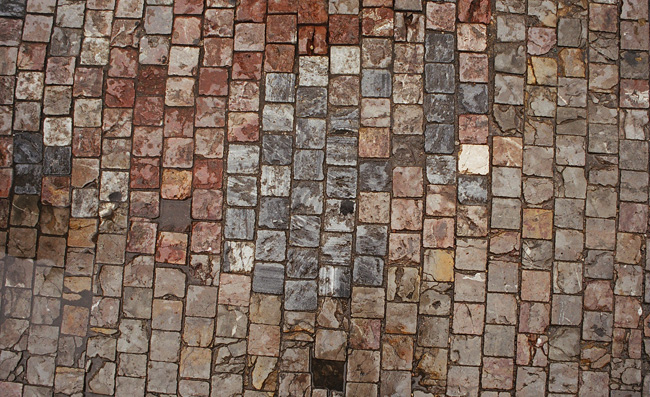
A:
{"x": 324, "y": 198}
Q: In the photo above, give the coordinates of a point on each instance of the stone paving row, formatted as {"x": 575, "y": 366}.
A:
{"x": 324, "y": 198}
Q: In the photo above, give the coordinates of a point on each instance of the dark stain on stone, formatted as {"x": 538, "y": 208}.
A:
{"x": 328, "y": 374}
{"x": 347, "y": 207}
{"x": 175, "y": 215}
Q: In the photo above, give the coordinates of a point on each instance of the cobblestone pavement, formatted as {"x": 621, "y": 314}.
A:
{"x": 324, "y": 198}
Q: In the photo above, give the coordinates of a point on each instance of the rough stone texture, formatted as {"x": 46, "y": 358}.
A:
{"x": 324, "y": 198}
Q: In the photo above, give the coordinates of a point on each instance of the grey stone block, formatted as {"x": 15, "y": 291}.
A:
{"x": 344, "y": 119}
{"x": 270, "y": 245}
{"x": 336, "y": 248}
{"x": 439, "y": 108}
{"x": 274, "y": 213}
{"x": 334, "y": 281}
{"x": 308, "y": 165}
{"x": 342, "y": 182}
{"x": 57, "y": 160}
{"x": 305, "y": 231}
{"x": 440, "y": 47}
{"x": 300, "y": 295}
{"x": 243, "y": 159}
{"x": 376, "y": 83}
{"x": 473, "y": 98}
{"x": 472, "y": 189}
{"x": 368, "y": 270}
{"x": 302, "y": 263}
{"x": 441, "y": 170}
{"x": 276, "y": 149}
{"x": 341, "y": 150}
{"x": 372, "y": 240}
{"x": 268, "y": 278}
{"x": 307, "y": 198}
{"x": 242, "y": 191}
{"x": 310, "y": 133}
{"x": 439, "y": 138}
{"x": 280, "y": 87}
{"x": 311, "y": 102}
{"x": 375, "y": 176}
{"x": 440, "y": 78}
{"x": 240, "y": 223}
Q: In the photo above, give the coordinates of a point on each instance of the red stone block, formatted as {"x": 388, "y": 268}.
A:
{"x": 247, "y": 66}
{"x": 31, "y": 56}
{"x": 171, "y": 248}
{"x": 473, "y": 128}
{"x": 210, "y": 112}
{"x": 176, "y": 184}
{"x": 634, "y": 94}
{"x": 407, "y": 182}
{"x": 537, "y": 223}
{"x": 207, "y": 204}
{"x": 374, "y": 142}
{"x": 312, "y": 40}
{"x": 534, "y": 317}
{"x": 88, "y": 82}
{"x": 477, "y": 11}
{"x": 281, "y": 29}
{"x": 147, "y": 141}
{"x": 142, "y": 238}
{"x": 406, "y": 214}
{"x": 55, "y": 191}
{"x": 283, "y": 6}
{"x": 377, "y": 22}
{"x": 438, "y": 233}
{"x": 627, "y": 312}
{"x": 312, "y": 11}
{"x": 279, "y": 58}
{"x": 179, "y": 122}
{"x": 633, "y": 217}
{"x": 145, "y": 173}
{"x": 86, "y": 142}
{"x": 124, "y": 62}
{"x": 244, "y": 96}
{"x": 603, "y": 17}
{"x": 188, "y": 6}
{"x": 60, "y": 70}
{"x": 243, "y": 127}
{"x": 151, "y": 80}
{"x": 251, "y": 10}
{"x": 365, "y": 333}
{"x": 37, "y": 28}
{"x": 7, "y": 86}
{"x": 145, "y": 204}
{"x": 209, "y": 142}
{"x": 441, "y": 16}
{"x": 120, "y": 93}
{"x": 148, "y": 110}
{"x": 213, "y": 81}
{"x": 5, "y": 182}
{"x": 6, "y": 151}
{"x": 344, "y": 29}
{"x": 206, "y": 237}
{"x": 126, "y": 33}
{"x": 10, "y": 30}
{"x": 178, "y": 152}
{"x": 218, "y": 51}
{"x": 219, "y": 22}
{"x": 208, "y": 173}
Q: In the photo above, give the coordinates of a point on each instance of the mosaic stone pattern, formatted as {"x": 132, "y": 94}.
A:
{"x": 324, "y": 198}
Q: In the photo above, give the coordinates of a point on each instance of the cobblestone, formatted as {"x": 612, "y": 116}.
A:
{"x": 324, "y": 198}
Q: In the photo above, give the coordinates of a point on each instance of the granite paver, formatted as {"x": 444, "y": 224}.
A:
{"x": 324, "y": 198}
